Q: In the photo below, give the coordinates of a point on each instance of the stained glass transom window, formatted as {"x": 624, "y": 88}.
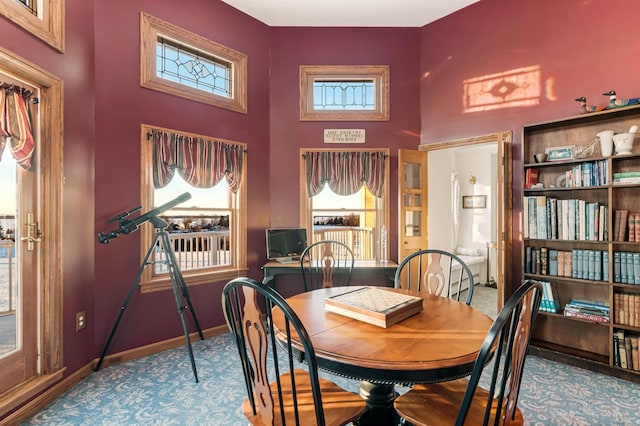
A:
{"x": 185, "y": 65}
{"x": 344, "y": 95}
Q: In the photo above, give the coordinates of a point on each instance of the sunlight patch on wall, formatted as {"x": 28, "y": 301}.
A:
{"x": 513, "y": 88}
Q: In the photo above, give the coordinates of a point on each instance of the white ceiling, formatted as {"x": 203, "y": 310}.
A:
{"x": 348, "y": 13}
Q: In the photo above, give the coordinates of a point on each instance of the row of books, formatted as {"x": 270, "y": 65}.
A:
{"x": 626, "y": 309}
{"x": 626, "y": 267}
{"x": 625, "y": 350}
{"x": 556, "y": 219}
{"x": 626, "y": 226}
{"x": 549, "y": 302}
{"x": 626, "y": 178}
{"x": 589, "y": 310}
{"x": 578, "y": 263}
{"x": 594, "y": 173}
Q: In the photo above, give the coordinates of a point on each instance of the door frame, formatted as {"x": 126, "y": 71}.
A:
{"x": 50, "y": 181}
{"x": 504, "y": 254}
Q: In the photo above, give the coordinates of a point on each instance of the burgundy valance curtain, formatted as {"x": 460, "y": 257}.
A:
{"x": 200, "y": 162}
{"x": 345, "y": 172}
{"x": 16, "y": 124}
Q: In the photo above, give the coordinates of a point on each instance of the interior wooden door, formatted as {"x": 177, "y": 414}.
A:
{"x": 412, "y": 197}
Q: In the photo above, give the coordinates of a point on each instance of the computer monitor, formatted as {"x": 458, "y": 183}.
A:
{"x": 286, "y": 244}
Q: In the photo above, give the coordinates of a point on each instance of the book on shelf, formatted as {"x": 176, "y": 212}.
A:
{"x": 616, "y": 224}
{"x": 605, "y": 265}
{"x": 553, "y": 219}
{"x": 588, "y": 310}
{"x": 627, "y": 347}
{"x": 531, "y": 178}
{"x": 622, "y": 231}
{"x": 549, "y": 302}
{"x": 624, "y": 178}
{"x": 616, "y": 350}
{"x": 621, "y": 348}
{"x": 541, "y": 217}
{"x": 631, "y": 226}
{"x": 374, "y": 305}
{"x": 553, "y": 262}
{"x": 533, "y": 229}
{"x": 585, "y": 316}
{"x": 544, "y": 260}
{"x": 626, "y": 309}
{"x": 568, "y": 264}
{"x": 634, "y": 353}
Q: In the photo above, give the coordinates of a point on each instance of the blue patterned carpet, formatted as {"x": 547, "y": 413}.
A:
{"x": 160, "y": 390}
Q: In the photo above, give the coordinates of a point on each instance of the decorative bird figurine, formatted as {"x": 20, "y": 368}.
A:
{"x": 612, "y": 99}
{"x": 585, "y": 109}
{"x": 583, "y": 105}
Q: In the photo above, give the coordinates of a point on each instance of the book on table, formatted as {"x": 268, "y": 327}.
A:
{"x": 374, "y": 305}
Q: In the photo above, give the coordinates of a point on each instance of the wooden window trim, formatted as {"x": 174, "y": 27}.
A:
{"x": 49, "y": 27}
{"x": 378, "y": 73}
{"x": 238, "y": 207}
{"x": 151, "y": 27}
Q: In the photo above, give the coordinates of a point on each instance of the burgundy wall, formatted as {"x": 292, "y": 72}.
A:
{"x": 583, "y": 48}
{"x": 292, "y": 47}
{"x": 121, "y": 106}
{"x": 76, "y": 68}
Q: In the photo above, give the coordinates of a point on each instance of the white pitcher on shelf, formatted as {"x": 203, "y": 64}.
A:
{"x": 606, "y": 142}
{"x": 624, "y": 141}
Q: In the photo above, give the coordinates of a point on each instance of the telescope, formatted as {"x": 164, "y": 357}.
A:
{"x": 127, "y": 226}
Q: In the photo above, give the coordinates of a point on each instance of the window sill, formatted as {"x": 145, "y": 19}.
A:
{"x": 163, "y": 283}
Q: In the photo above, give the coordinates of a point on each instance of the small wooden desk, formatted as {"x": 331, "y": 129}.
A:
{"x": 273, "y": 268}
{"x": 438, "y": 344}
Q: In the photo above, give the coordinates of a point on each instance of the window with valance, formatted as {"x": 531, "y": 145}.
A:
{"x": 209, "y": 230}
{"x": 345, "y": 172}
{"x": 200, "y": 162}
{"x": 344, "y": 197}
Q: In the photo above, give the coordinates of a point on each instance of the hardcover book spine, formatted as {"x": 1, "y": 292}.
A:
{"x": 553, "y": 262}
{"x": 598, "y": 265}
{"x": 616, "y": 267}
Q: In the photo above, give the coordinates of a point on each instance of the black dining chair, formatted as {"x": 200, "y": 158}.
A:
{"x": 463, "y": 401}
{"x": 325, "y": 264}
{"x": 437, "y": 272}
{"x": 278, "y": 393}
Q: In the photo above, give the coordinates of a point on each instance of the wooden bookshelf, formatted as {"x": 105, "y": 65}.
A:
{"x": 581, "y": 185}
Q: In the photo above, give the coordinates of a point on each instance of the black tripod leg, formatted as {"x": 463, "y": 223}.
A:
{"x": 183, "y": 288}
{"x": 181, "y": 308}
{"x": 125, "y": 304}
{"x": 180, "y": 291}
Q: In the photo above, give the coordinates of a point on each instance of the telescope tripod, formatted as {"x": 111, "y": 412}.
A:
{"x": 180, "y": 291}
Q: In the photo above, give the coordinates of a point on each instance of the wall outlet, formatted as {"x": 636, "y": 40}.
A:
{"x": 81, "y": 320}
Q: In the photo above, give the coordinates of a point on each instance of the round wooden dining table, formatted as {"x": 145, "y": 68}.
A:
{"x": 437, "y": 344}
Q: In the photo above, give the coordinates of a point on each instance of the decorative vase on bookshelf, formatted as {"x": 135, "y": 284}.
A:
{"x": 624, "y": 141}
{"x": 606, "y": 142}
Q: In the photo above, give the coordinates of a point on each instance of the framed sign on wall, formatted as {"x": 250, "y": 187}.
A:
{"x": 474, "y": 201}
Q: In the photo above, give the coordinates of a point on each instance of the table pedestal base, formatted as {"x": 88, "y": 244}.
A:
{"x": 379, "y": 399}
